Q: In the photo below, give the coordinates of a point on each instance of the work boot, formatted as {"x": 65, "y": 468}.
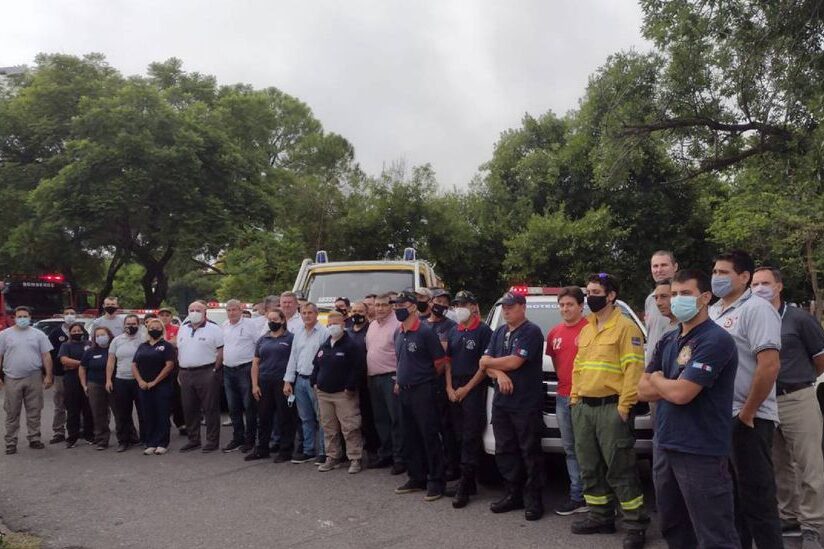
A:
{"x": 57, "y": 439}
{"x": 589, "y": 526}
{"x": 510, "y": 502}
{"x": 635, "y": 539}
{"x": 466, "y": 487}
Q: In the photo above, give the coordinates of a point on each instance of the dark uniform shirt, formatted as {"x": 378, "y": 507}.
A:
{"x": 74, "y": 350}
{"x": 466, "y": 346}
{"x": 526, "y": 342}
{"x": 707, "y": 355}
{"x": 151, "y": 359}
{"x": 417, "y": 350}
{"x": 359, "y": 337}
{"x": 801, "y": 339}
{"x": 337, "y": 367}
{"x": 57, "y": 338}
{"x": 273, "y": 353}
{"x": 94, "y": 360}
{"x": 442, "y": 327}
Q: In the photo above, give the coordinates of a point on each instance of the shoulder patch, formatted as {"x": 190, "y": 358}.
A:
{"x": 636, "y": 341}
{"x": 701, "y": 366}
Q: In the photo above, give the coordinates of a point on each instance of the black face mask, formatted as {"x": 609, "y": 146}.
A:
{"x": 77, "y": 337}
{"x": 275, "y": 326}
{"x": 422, "y": 306}
{"x": 439, "y": 310}
{"x": 131, "y": 330}
{"x": 155, "y": 334}
{"x": 110, "y": 310}
{"x": 596, "y": 302}
{"x": 401, "y": 314}
{"x": 358, "y": 319}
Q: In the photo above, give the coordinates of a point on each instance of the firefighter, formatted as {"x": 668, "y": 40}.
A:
{"x": 605, "y": 377}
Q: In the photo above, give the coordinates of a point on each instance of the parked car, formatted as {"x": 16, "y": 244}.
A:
{"x": 542, "y": 309}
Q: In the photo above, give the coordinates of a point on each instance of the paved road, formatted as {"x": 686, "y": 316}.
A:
{"x": 85, "y": 498}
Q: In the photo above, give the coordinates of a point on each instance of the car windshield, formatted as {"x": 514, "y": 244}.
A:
{"x": 547, "y": 314}
{"x": 325, "y": 287}
{"x": 42, "y": 301}
{"x": 218, "y": 316}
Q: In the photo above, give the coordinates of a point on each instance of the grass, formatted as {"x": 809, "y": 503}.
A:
{"x": 16, "y": 540}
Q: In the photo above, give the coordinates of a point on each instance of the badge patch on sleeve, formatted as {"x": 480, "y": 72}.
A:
{"x": 522, "y": 353}
{"x": 636, "y": 341}
{"x": 700, "y": 366}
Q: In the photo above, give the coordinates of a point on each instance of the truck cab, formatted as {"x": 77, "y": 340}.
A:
{"x": 322, "y": 281}
{"x": 47, "y": 295}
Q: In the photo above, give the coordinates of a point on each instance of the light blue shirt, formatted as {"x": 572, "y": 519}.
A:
{"x": 304, "y": 348}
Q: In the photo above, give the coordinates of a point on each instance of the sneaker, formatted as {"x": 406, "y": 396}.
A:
{"x": 320, "y": 460}
{"x": 150, "y": 451}
{"x": 410, "y": 486}
{"x": 232, "y": 446}
{"x": 588, "y": 526}
{"x": 56, "y": 439}
{"x": 355, "y": 467}
{"x": 790, "y": 528}
{"x": 572, "y": 507}
{"x": 36, "y": 445}
{"x": 300, "y": 457}
{"x": 160, "y": 450}
{"x": 433, "y": 494}
{"x": 189, "y": 446}
{"x": 71, "y": 444}
{"x": 329, "y": 464}
{"x": 11, "y": 450}
{"x": 256, "y": 455}
{"x": 635, "y": 539}
{"x": 398, "y": 469}
{"x": 810, "y": 539}
{"x": 122, "y": 447}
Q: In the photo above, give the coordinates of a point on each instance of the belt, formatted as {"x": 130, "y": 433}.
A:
{"x": 599, "y": 401}
{"x": 304, "y": 376}
{"x": 385, "y": 374}
{"x": 244, "y": 365}
{"x": 786, "y": 389}
{"x": 196, "y": 368}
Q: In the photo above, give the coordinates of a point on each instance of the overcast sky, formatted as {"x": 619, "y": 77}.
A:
{"x": 434, "y": 81}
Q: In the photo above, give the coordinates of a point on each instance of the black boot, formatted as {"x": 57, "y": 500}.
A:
{"x": 510, "y": 502}
{"x": 466, "y": 487}
{"x": 635, "y": 539}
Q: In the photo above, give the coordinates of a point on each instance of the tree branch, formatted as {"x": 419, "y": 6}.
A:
{"x": 691, "y": 122}
{"x": 207, "y": 266}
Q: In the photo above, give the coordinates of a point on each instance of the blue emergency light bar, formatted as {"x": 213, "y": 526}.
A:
{"x": 321, "y": 256}
{"x": 409, "y": 254}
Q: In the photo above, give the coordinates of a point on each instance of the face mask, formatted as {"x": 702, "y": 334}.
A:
{"x": 335, "y": 330}
{"x": 275, "y": 326}
{"x": 684, "y": 307}
{"x": 69, "y": 319}
{"x": 131, "y": 330}
{"x": 103, "y": 340}
{"x": 77, "y": 337}
{"x": 721, "y": 285}
{"x": 422, "y": 306}
{"x": 401, "y": 314}
{"x": 342, "y": 311}
{"x": 155, "y": 334}
{"x": 358, "y": 319}
{"x": 439, "y": 310}
{"x": 22, "y": 321}
{"x": 596, "y": 302}
{"x": 195, "y": 317}
{"x": 462, "y": 314}
{"x": 450, "y": 314}
{"x": 110, "y": 310}
{"x": 766, "y": 292}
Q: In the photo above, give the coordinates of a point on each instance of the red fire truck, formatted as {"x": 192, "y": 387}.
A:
{"x": 47, "y": 295}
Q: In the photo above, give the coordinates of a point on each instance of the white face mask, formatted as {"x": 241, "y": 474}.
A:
{"x": 195, "y": 317}
{"x": 462, "y": 314}
{"x": 69, "y": 319}
{"x": 335, "y": 330}
{"x": 766, "y": 292}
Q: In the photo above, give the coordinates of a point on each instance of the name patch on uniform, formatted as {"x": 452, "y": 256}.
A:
{"x": 636, "y": 341}
{"x": 161, "y": 348}
{"x": 340, "y": 353}
{"x": 97, "y": 356}
{"x": 283, "y": 343}
{"x": 700, "y": 366}
{"x": 470, "y": 344}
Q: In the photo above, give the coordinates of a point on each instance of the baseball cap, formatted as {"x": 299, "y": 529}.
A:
{"x": 406, "y": 296}
{"x": 425, "y": 293}
{"x": 440, "y": 292}
{"x": 465, "y": 296}
{"x": 164, "y": 310}
{"x": 512, "y": 299}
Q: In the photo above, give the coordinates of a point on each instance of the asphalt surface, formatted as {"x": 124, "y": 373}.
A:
{"x": 84, "y": 498}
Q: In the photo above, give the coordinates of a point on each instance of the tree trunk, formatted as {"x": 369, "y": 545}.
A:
{"x": 155, "y": 281}
{"x": 118, "y": 260}
{"x": 812, "y": 272}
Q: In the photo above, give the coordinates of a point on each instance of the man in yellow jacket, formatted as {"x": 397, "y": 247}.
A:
{"x": 608, "y": 365}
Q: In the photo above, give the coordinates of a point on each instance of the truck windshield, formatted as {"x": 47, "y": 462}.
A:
{"x": 325, "y": 287}
{"x": 44, "y": 302}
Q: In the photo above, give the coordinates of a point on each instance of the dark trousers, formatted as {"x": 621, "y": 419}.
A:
{"x": 371, "y": 438}
{"x": 200, "y": 393}
{"x": 695, "y": 500}
{"x": 468, "y": 421}
{"x": 518, "y": 452}
{"x": 387, "y": 414}
{"x": 237, "y": 383}
{"x": 177, "y": 402}
{"x": 421, "y": 434}
{"x": 156, "y": 403}
{"x": 125, "y": 399}
{"x": 451, "y": 449}
{"x": 77, "y": 408}
{"x": 273, "y": 404}
{"x": 756, "y": 507}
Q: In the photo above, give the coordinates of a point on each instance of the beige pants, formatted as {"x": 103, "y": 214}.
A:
{"x": 798, "y": 461}
{"x": 340, "y": 413}
{"x": 26, "y": 391}
{"x": 59, "y": 421}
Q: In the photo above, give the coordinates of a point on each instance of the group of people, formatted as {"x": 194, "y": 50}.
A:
{"x": 399, "y": 381}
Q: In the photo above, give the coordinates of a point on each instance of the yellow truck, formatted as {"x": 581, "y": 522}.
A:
{"x": 322, "y": 281}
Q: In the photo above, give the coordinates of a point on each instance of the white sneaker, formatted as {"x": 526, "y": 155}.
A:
{"x": 160, "y": 450}
{"x": 150, "y": 451}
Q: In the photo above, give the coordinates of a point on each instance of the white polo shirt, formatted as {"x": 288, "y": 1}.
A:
{"x": 198, "y": 346}
{"x": 239, "y": 341}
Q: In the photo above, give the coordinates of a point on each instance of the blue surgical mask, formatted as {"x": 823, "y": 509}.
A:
{"x": 684, "y": 307}
{"x": 766, "y": 292}
{"x": 721, "y": 285}
{"x": 22, "y": 321}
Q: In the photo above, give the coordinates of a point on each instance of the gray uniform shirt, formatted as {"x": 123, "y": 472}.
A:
{"x": 22, "y": 351}
{"x": 657, "y": 325}
{"x": 755, "y": 326}
{"x": 802, "y": 339}
{"x": 123, "y": 347}
{"x": 115, "y": 325}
